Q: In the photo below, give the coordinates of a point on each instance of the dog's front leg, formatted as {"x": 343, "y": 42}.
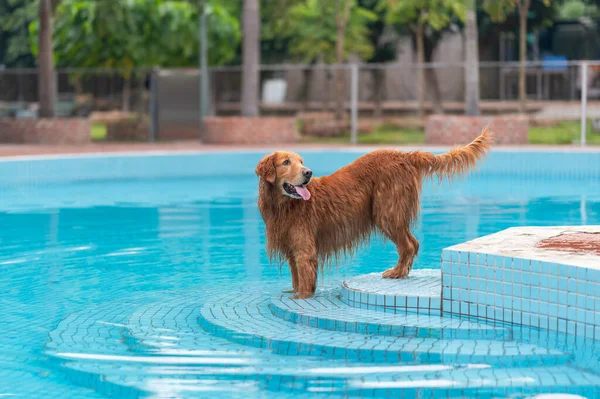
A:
{"x": 294, "y": 272}
{"x": 307, "y": 268}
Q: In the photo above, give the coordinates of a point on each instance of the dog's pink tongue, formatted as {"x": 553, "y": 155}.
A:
{"x": 303, "y": 191}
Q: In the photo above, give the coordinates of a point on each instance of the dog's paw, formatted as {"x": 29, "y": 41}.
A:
{"x": 302, "y": 295}
{"x": 292, "y": 291}
{"x": 394, "y": 273}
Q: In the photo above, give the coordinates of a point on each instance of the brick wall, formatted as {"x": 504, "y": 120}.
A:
{"x": 128, "y": 130}
{"x": 249, "y": 130}
{"x": 45, "y": 131}
{"x": 451, "y": 130}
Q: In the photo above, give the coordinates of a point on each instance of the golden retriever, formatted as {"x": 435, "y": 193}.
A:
{"x": 309, "y": 221}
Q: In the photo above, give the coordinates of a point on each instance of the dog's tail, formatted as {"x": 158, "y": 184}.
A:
{"x": 457, "y": 161}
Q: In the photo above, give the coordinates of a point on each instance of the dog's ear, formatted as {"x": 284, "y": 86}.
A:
{"x": 266, "y": 168}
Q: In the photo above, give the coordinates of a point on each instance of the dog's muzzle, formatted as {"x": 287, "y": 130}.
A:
{"x": 298, "y": 192}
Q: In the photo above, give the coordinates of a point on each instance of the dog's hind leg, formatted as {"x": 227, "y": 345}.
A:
{"x": 394, "y": 207}
{"x": 408, "y": 248}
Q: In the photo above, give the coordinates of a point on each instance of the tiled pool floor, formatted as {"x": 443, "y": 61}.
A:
{"x": 330, "y": 313}
{"x": 368, "y": 337}
{"x": 174, "y": 354}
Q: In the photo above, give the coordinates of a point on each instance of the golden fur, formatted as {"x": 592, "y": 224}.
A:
{"x": 378, "y": 192}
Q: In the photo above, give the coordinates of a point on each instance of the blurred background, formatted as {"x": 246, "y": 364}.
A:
{"x": 304, "y": 71}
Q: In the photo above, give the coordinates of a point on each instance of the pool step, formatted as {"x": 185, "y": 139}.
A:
{"x": 249, "y": 321}
{"x": 162, "y": 350}
{"x": 420, "y": 292}
{"x": 350, "y": 380}
{"x": 330, "y": 313}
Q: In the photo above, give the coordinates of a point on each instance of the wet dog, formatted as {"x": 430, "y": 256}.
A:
{"x": 309, "y": 221}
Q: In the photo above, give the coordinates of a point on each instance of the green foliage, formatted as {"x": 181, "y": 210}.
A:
{"x": 575, "y": 9}
{"x": 381, "y": 35}
{"x": 436, "y": 14}
{"x": 275, "y": 22}
{"x": 313, "y": 32}
{"x": 274, "y": 26}
{"x": 500, "y": 10}
{"x": 15, "y": 17}
{"x": 138, "y": 33}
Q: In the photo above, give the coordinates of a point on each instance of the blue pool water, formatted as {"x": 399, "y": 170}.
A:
{"x": 110, "y": 276}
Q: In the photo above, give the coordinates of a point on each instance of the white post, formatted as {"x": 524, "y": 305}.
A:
{"x": 354, "y": 104}
{"x": 584, "y": 84}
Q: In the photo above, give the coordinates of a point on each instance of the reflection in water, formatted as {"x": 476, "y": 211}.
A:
{"x": 102, "y": 262}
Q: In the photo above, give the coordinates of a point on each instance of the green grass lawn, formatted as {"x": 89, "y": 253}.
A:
{"x": 383, "y": 134}
{"x": 562, "y": 133}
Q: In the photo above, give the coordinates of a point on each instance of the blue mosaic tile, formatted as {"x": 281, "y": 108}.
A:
{"x": 414, "y": 293}
{"x": 222, "y": 318}
{"x": 324, "y": 309}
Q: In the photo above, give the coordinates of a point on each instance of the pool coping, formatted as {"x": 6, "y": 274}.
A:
{"x": 19, "y": 152}
{"x": 505, "y": 277}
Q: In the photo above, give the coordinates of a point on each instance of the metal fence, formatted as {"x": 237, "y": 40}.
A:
{"x": 360, "y": 92}
{"x": 79, "y": 91}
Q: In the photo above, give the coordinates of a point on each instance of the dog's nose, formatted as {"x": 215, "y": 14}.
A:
{"x": 307, "y": 173}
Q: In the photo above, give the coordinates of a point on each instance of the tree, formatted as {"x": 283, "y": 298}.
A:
{"x": 46, "y": 76}
{"x": 384, "y": 41}
{"x": 251, "y": 58}
{"x": 499, "y": 11}
{"x": 275, "y": 26}
{"x": 314, "y": 33}
{"x": 574, "y": 9}
{"x": 471, "y": 61}
{"x": 420, "y": 15}
{"x": 342, "y": 14}
{"x": 15, "y": 17}
{"x": 132, "y": 34}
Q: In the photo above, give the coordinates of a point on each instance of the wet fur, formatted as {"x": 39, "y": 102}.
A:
{"x": 377, "y": 193}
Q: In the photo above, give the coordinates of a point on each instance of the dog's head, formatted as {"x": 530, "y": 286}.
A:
{"x": 286, "y": 171}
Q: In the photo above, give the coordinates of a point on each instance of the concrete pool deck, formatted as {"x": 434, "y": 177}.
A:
{"x": 8, "y": 150}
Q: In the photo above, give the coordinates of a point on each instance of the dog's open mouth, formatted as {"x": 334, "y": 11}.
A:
{"x": 297, "y": 191}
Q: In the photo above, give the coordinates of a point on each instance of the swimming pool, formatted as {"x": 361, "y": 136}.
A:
{"x": 113, "y": 268}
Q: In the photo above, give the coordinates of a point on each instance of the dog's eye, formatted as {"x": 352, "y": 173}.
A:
{"x": 286, "y": 162}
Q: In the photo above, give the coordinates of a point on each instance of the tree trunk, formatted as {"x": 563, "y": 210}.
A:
{"x": 251, "y": 58}
{"x": 471, "y": 61}
{"x": 523, "y": 10}
{"x": 306, "y": 79}
{"x": 327, "y": 91}
{"x": 433, "y": 82}
{"x": 342, "y": 19}
{"x": 378, "y": 91}
{"x": 126, "y": 99}
{"x": 46, "y": 77}
{"x": 420, "y": 77}
{"x": 339, "y": 73}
